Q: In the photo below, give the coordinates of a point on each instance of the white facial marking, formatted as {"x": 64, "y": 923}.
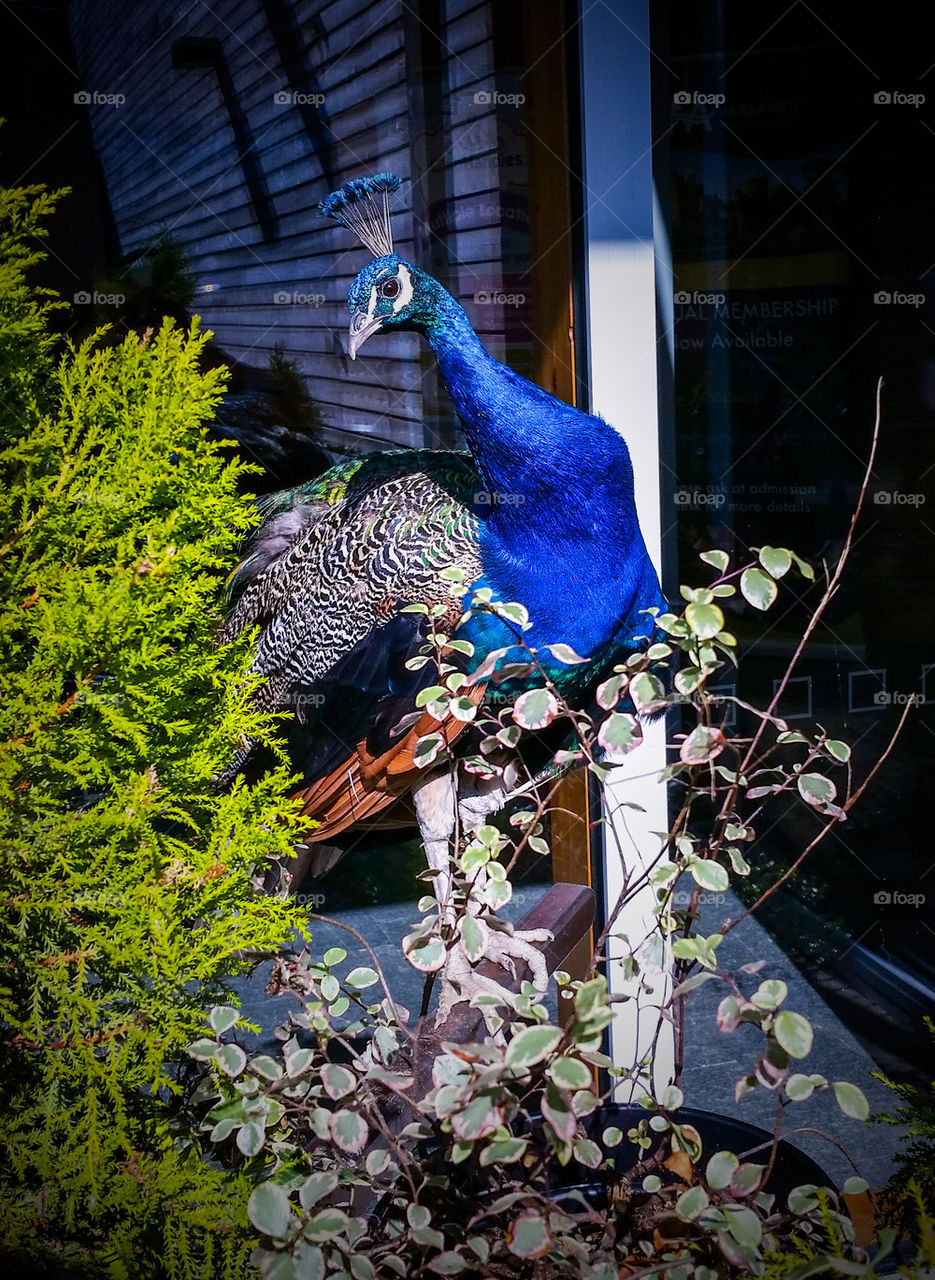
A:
{"x": 404, "y": 276}
{"x": 373, "y": 301}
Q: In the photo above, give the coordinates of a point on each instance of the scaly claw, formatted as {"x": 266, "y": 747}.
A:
{"x": 461, "y": 980}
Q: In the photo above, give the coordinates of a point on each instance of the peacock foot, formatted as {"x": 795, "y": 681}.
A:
{"x": 510, "y": 949}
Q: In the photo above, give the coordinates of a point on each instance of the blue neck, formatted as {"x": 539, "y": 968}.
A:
{"x": 560, "y": 532}
{"x": 527, "y": 444}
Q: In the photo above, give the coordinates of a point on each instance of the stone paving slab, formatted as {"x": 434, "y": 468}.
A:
{"x": 714, "y": 1061}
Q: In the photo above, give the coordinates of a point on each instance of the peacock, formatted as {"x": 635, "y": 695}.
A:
{"x": 539, "y": 510}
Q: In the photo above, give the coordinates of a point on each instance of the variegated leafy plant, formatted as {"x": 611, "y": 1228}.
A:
{"x": 504, "y": 1163}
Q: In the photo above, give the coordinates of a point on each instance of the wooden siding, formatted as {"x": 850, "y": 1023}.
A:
{"x": 170, "y": 162}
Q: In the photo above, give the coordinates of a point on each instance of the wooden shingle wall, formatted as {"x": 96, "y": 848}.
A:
{"x": 326, "y": 90}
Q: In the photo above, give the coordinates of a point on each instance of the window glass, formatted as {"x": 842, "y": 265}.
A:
{"x": 789, "y": 170}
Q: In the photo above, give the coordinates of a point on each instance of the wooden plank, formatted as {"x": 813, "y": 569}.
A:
{"x": 185, "y": 168}
{"x": 567, "y": 911}
{"x": 468, "y": 30}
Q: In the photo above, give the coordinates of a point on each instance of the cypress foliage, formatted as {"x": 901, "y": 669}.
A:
{"x": 128, "y": 881}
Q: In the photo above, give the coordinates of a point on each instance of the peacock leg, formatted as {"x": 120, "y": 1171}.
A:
{"x": 435, "y": 812}
{"x": 507, "y": 947}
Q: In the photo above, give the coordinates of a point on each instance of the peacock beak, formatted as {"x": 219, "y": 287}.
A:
{"x": 361, "y": 327}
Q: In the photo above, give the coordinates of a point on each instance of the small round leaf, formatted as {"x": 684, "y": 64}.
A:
{"x": 231, "y": 1059}
{"x": 570, "y": 1073}
{"x": 269, "y": 1210}
{"x": 758, "y": 588}
{"x": 851, "y": 1100}
{"x": 532, "y": 1044}
{"x": 775, "y": 560}
{"x": 528, "y": 1236}
{"x": 705, "y": 620}
{"x": 222, "y": 1017}
{"x": 720, "y": 1169}
{"x": 348, "y": 1130}
{"x": 794, "y": 1033}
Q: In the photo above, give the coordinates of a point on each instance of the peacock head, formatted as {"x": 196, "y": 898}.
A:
{"x": 390, "y": 294}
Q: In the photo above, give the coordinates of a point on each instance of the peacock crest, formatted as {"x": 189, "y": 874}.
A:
{"x": 363, "y": 206}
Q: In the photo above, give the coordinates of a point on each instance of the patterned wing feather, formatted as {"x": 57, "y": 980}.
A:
{"x": 325, "y": 581}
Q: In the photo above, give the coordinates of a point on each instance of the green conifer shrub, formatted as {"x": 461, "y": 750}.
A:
{"x": 128, "y": 880}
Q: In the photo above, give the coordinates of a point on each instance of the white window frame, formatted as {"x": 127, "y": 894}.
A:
{"x": 627, "y": 266}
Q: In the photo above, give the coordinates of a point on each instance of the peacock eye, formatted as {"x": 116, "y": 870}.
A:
{"x": 390, "y": 288}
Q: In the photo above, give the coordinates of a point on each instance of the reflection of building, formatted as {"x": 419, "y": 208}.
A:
{"x": 793, "y": 208}
{"x": 233, "y": 128}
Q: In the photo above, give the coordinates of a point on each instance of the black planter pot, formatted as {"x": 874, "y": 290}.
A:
{"x": 750, "y": 1143}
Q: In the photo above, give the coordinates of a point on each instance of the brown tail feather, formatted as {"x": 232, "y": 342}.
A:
{"x": 362, "y": 786}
